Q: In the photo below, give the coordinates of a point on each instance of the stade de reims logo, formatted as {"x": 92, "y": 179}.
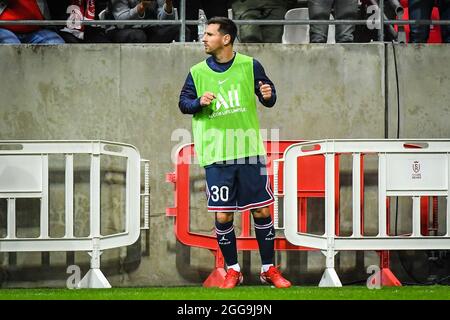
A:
{"x": 416, "y": 170}
{"x": 416, "y": 166}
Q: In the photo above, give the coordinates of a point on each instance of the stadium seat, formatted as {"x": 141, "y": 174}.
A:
{"x": 300, "y": 33}
{"x": 102, "y": 15}
{"x": 230, "y": 14}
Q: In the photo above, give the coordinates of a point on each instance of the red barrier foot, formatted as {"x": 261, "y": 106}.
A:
{"x": 216, "y": 278}
{"x": 388, "y": 279}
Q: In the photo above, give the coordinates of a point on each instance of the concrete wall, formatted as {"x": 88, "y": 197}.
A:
{"x": 423, "y": 75}
{"x": 129, "y": 93}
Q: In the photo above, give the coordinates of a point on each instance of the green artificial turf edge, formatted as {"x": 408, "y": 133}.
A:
{"x": 239, "y": 293}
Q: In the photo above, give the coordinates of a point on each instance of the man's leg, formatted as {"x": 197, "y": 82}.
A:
{"x": 127, "y": 35}
{"x": 221, "y": 193}
{"x": 95, "y": 35}
{"x": 43, "y": 36}
{"x": 273, "y": 34}
{"x": 226, "y": 238}
{"x": 248, "y": 10}
{"x": 419, "y": 10}
{"x": 255, "y": 194}
{"x": 265, "y": 234}
{"x": 319, "y": 10}
{"x": 444, "y": 12}
{"x": 69, "y": 38}
{"x": 163, "y": 34}
{"x": 345, "y": 10}
{"x": 8, "y": 37}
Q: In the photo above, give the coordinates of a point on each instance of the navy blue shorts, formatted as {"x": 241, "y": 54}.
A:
{"x": 237, "y": 187}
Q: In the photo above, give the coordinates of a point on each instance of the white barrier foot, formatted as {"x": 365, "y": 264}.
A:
{"x": 94, "y": 278}
{"x": 330, "y": 279}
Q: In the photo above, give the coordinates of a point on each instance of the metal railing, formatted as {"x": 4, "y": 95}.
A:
{"x": 382, "y": 20}
{"x": 407, "y": 168}
{"x": 24, "y": 174}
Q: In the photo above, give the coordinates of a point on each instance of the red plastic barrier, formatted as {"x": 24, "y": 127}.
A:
{"x": 311, "y": 184}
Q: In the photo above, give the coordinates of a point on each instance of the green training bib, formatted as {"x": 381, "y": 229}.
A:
{"x": 228, "y": 128}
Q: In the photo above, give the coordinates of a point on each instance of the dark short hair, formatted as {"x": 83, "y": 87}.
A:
{"x": 226, "y": 26}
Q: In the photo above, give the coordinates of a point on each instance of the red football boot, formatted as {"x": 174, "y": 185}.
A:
{"x": 273, "y": 276}
{"x": 232, "y": 279}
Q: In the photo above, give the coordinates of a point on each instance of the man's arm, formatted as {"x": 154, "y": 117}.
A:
{"x": 122, "y": 11}
{"x": 165, "y": 10}
{"x": 189, "y": 103}
{"x": 269, "y": 90}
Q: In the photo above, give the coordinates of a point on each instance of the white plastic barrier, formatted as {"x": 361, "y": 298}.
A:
{"x": 412, "y": 168}
{"x": 24, "y": 173}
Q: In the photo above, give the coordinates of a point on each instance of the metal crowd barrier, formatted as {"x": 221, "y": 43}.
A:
{"x": 381, "y": 19}
{"x": 24, "y": 174}
{"x": 407, "y": 168}
{"x": 311, "y": 185}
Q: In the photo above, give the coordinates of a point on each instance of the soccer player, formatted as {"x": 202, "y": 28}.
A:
{"x": 219, "y": 92}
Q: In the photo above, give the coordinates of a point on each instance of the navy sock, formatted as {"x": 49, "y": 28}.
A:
{"x": 265, "y": 234}
{"x": 227, "y": 241}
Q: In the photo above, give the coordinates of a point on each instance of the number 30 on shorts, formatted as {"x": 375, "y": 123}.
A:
{"x": 219, "y": 193}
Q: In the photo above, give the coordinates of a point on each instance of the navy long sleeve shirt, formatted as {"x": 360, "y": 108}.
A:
{"x": 190, "y": 104}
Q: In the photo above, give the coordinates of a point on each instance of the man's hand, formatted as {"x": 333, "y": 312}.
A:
{"x": 168, "y": 6}
{"x": 143, "y": 5}
{"x": 206, "y": 99}
{"x": 266, "y": 90}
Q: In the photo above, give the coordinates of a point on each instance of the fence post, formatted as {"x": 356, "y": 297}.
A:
{"x": 183, "y": 21}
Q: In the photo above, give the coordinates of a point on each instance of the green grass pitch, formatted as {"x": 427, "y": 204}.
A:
{"x": 239, "y": 293}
